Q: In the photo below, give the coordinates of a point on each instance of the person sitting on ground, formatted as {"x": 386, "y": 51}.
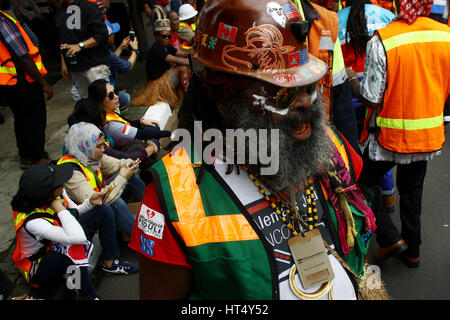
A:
{"x": 43, "y": 224}
{"x": 119, "y": 65}
{"x": 127, "y": 135}
{"x": 89, "y": 110}
{"x": 84, "y": 144}
{"x": 167, "y": 69}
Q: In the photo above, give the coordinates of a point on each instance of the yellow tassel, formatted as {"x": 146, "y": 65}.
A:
{"x": 351, "y": 229}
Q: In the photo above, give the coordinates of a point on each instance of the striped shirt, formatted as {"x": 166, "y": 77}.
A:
{"x": 11, "y": 37}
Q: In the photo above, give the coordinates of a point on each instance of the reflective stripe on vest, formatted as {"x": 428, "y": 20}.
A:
{"x": 8, "y": 72}
{"x": 414, "y": 81}
{"x": 24, "y": 264}
{"x": 193, "y": 225}
{"x": 115, "y": 117}
{"x": 90, "y": 177}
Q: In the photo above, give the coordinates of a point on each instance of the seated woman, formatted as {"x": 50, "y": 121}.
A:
{"x": 167, "y": 69}
{"x": 89, "y": 110}
{"x": 49, "y": 237}
{"x": 123, "y": 132}
{"x": 84, "y": 145}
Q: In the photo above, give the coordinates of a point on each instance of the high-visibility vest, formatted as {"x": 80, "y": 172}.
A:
{"x": 215, "y": 229}
{"x": 190, "y": 27}
{"x": 115, "y": 117}
{"x": 8, "y": 71}
{"x": 24, "y": 264}
{"x": 95, "y": 180}
{"x": 323, "y": 45}
{"x": 418, "y": 84}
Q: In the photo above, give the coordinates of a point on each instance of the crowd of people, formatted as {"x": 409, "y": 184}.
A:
{"x": 328, "y": 76}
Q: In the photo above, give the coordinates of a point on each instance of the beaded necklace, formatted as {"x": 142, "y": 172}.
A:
{"x": 280, "y": 205}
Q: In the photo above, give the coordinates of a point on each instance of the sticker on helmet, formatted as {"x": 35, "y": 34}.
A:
{"x": 291, "y": 11}
{"x": 227, "y": 32}
{"x": 276, "y": 12}
{"x": 286, "y": 77}
{"x": 264, "y": 50}
{"x": 299, "y": 58}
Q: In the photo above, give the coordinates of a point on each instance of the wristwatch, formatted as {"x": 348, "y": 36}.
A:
{"x": 81, "y": 44}
{"x": 136, "y": 50}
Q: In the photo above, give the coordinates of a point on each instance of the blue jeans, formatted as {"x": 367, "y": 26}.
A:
{"x": 102, "y": 218}
{"x": 124, "y": 99}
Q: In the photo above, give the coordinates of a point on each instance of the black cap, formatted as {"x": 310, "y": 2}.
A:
{"x": 39, "y": 181}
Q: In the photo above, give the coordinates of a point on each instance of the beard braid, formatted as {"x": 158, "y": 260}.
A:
{"x": 297, "y": 159}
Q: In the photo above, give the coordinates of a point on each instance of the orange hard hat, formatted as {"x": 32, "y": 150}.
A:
{"x": 257, "y": 38}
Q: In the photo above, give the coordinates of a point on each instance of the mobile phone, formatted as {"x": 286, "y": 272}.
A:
{"x": 131, "y": 35}
{"x": 110, "y": 188}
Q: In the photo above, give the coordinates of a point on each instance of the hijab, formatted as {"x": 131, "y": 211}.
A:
{"x": 410, "y": 10}
{"x": 81, "y": 141}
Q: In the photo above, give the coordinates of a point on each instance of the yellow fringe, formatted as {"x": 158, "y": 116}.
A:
{"x": 351, "y": 228}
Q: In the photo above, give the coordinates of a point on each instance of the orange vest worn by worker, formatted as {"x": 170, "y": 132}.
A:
{"x": 8, "y": 71}
{"x": 321, "y": 40}
{"x": 418, "y": 84}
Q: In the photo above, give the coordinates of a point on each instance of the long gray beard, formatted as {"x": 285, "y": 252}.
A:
{"x": 297, "y": 160}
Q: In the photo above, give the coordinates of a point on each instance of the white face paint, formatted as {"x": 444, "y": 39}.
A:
{"x": 261, "y": 101}
{"x": 276, "y": 12}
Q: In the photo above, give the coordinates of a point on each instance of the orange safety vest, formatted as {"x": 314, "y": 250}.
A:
{"x": 8, "y": 72}
{"x": 96, "y": 180}
{"x": 321, "y": 40}
{"x": 115, "y": 117}
{"x": 25, "y": 264}
{"x": 411, "y": 117}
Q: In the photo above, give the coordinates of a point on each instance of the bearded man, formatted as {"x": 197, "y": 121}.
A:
{"x": 221, "y": 229}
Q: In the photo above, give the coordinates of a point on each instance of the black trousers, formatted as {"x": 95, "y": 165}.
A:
{"x": 27, "y": 102}
{"x": 410, "y": 179}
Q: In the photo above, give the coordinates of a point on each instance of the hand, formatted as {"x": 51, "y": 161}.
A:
{"x": 126, "y": 41}
{"x": 71, "y": 48}
{"x": 48, "y": 91}
{"x": 351, "y": 73}
{"x": 58, "y": 205}
{"x": 96, "y": 198}
{"x": 129, "y": 171}
{"x": 134, "y": 44}
{"x": 151, "y": 148}
{"x": 65, "y": 72}
{"x": 150, "y": 123}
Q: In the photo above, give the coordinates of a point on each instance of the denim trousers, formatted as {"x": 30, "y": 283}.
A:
{"x": 123, "y": 216}
{"x": 103, "y": 219}
{"x": 410, "y": 179}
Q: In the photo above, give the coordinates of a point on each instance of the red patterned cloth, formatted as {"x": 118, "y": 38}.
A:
{"x": 411, "y": 9}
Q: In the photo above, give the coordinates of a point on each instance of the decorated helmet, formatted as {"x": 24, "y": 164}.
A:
{"x": 263, "y": 39}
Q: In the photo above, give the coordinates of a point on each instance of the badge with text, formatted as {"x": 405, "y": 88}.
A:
{"x": 311, "y": 259}
{"x": 151, "y": 222}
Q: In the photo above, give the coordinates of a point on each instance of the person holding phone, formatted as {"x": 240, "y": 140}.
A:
{"x": 84, "y": 145}
{"x": 119, "y": 65}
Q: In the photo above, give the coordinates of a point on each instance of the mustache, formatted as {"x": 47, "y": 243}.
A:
{"x": 295, "y": 118}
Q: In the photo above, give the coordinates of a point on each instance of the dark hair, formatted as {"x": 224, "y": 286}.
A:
{"x": 97, "y": 90}
{"x": 87, "y": 110}
{"x": 21, "y": 203}
{"x": 357, "y": 27}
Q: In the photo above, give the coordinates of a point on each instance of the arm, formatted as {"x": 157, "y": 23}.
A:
{"x": 27, "y": 63}
{"x": 177, "y": 60}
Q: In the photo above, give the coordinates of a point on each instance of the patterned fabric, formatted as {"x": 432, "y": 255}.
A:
{"x": 411, "y": 9}
{"x": 81, "y": 141}
{"x": 11, "y": 37}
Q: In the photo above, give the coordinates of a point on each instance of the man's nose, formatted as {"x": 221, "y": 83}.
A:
{"x": 303, "y": 100}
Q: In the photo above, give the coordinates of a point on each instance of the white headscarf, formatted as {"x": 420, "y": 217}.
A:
{"x": 81, "y": 141}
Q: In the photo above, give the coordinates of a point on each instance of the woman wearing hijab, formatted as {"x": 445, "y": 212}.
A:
{"x": 49, "y": 238}
{"x": 84, "y": 145}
